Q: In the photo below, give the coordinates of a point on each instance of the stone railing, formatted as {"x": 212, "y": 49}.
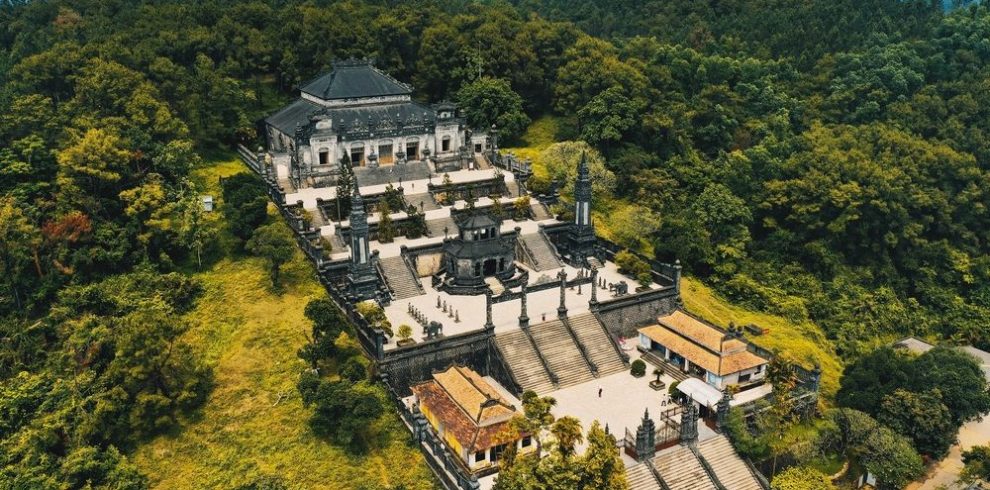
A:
{"x": 580, "y": 345}
{"x": 663, "y": 273}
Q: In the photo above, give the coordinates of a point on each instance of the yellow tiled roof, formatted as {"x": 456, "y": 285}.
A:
{"x": 723, "y": 359}
{"x": 694, "y": 329}
{"x": 478, "y": 399}
{"x": 471, "y": 409}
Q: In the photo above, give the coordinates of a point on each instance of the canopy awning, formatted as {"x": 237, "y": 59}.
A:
{"x": 701, "y": 392}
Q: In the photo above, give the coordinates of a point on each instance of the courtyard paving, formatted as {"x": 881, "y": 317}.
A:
{"x": 471, "y": 309}
{"x": 621, "y": 406}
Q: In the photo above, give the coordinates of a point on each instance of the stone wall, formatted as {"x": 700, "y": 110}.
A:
{"x": 622, "y": 316}
{"x": 410, "y": 365}
{"x": 428, "y": 264}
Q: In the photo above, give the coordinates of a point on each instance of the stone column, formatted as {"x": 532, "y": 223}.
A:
{"x": 379, "y": 344}
{"x": 689, "y": 424}
{"x": 562, "y": 309}
{"x": 488, "y": 310}
{"x": 523, "y": 317}
{"x": 646, "y": 446}
{"x": 593, "y": 304}
{"x": 723, "y": 409}
{"x": 677, "y": 276}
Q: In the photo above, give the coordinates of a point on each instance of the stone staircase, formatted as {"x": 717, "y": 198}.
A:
{"x": 596, "y": 343}
{"x": 404, "y": 285}
{"x": 681, "y": 470}
{"x": 540, "y": 212}
{"x": 640, "y": 477}
{"x": 524, "y": 362}
{"x": 426, "y": 198}
{"x": 434, "y": 227}
{"x": 513, "y": 188}
{"x": 563, "y": 356}
{"x": 730, "y": 470}
{"x": 544, "y": 257}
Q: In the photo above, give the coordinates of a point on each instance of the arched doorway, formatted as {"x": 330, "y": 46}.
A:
{"x": 490, "y": 267}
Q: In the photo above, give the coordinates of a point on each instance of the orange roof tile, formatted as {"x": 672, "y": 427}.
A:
{"x": 724, "y": 358}
{"x": 694, "y": 329}
{"x": 469, "y": 432}
{"x": 478, "y": 399}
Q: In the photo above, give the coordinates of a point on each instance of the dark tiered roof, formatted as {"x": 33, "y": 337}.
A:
{"x": 353, "y": 119}
{"x": 353, "y": 80}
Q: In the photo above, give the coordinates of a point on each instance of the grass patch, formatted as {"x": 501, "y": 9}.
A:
{"x": 253, "y": 422}
{"x": 804, "y": 341}
{"x": 538, "y": 136}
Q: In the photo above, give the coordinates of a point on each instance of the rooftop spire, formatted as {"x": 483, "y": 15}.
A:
{"x": 583, "y": 166}
{"x": 356, "y": 198}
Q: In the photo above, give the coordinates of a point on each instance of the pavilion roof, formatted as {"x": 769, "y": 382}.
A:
{"x": 470, "y": 408}
{"x": 696, "y": 342}
{"x": 354, "y": 80}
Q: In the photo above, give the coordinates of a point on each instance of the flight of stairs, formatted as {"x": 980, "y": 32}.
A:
{"x": 595, "y": 339}
{"x": 543, "y": 254}
{"x": 426, "y": 198}
{"x": 561, "y": 353}
{"x": 540, "y": 212}
{"x": 730, "y": 470}
{"x": 522, "y": 359}
{"x": 513, "y": 188}
{"x": 404, "y": 285}
{"x": 435, "y": 226}
{"x": 640, "y": 477}
{"x": 681, "y": 470}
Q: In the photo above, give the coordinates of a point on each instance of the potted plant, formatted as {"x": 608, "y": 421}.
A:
{"x": 405, "y": 335}
{"x": 638, "y": 368}
{"x": 656, "y": 384}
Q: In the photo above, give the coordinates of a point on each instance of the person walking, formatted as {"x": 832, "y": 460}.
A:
{"x": 599, "y": 392}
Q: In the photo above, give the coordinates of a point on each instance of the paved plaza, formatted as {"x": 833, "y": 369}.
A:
{"x": 621, "y": 406}
{"x": 471, "y": 309}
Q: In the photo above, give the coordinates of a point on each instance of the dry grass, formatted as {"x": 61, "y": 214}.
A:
{"x": 254, "y": 423}
{"x": 803, "y": 341}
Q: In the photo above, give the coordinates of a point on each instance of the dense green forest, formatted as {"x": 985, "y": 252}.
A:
{"x": 826, "y": 161}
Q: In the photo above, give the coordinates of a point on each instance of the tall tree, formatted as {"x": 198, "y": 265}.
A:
{"x": 491, "y": 101}
{"x": 273, "y": 243}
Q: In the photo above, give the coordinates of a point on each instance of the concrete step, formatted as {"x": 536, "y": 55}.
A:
{"x": 540, "y": 211}
{"x": 730, "y": 470}
{"x": 522, "y": 359}
{"x": 595, "y": 340}
{"x": 640, "y": 477}
{"x": 404, "y": 285}
{"x": 426, "y": 198}
{"x": 435, "y": 227}
{"x": 544, "y": 258}
{"x": 561, "y": 353}
{"x": 682, "y": 470}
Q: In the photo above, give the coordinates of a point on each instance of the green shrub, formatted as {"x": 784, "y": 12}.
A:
{"x": 638, "y": 368}
{"x": 634, "y": 266}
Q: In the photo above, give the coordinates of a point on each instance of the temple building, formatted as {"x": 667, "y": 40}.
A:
{"x": 477, "y": 252}
{"x": 717, "y": 357}
{"x": 471, "y": 416}
{"x": 358, "y": 111}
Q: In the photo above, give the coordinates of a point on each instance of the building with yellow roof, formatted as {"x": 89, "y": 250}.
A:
{"x": 719, "y": 357}
{"x": 471, "y": 416}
